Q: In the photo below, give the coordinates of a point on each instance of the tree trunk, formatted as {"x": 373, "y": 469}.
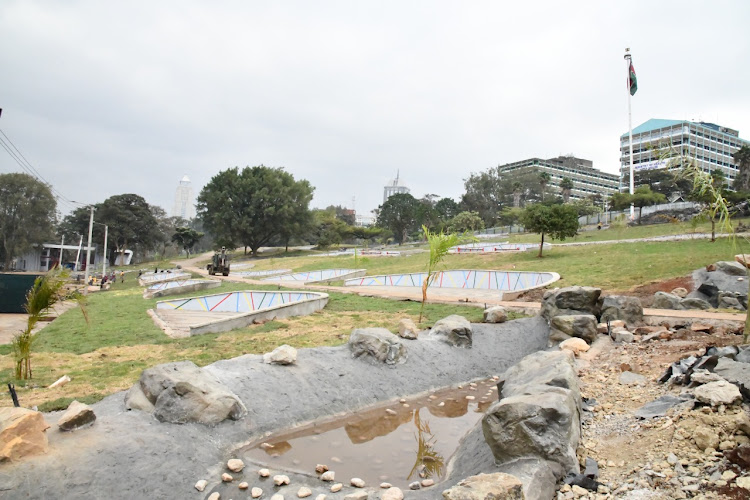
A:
{"x": 713, "y": 230}
{"x": 640, "y": 211}
{"x": 540, "y": 247}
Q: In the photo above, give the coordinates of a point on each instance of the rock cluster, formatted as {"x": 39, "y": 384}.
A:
{"x": 722, "y": 285}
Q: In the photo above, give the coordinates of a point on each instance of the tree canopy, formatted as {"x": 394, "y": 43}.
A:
{"x": 253, "y": 206}
{"x": 187, "y": 238}
{"x": 559, "y": 221}
{"x": 399, "y": 213}
{"x": 27, "y": 214}
{"x": 641, "y": 197}
{"x": 741, "y": 159}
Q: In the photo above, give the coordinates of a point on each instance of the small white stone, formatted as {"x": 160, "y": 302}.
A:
{"x": 728, "y": 475}
{"x": 256, "y": 492}
{"x": 280, "y": 479}
{"x": 304, "y": 492}
{"x": 320, "y": 497}
{"x": 357, "y": 482}
{"x": 392, "y": 494}
{"x": 214, "y": 496}
{"x": 390, "y": 412}
{"x": 264, "y": 473}
{"x": 470, "y": 398}
{"x": 201, "y": 485}
{"x": 441, "y": 404}
{"x": 385, "y": 486}
{"x": 743, "y": 482}
{"x": 227, "y": 478}
{"x": 235, "y": 465}
{"x": 277, "y": 496}
{"x": 328, "y": 476}
{"x": 426, "y": 483}
{"x": 336, "y": 487}
{"x": 243, "y": 485}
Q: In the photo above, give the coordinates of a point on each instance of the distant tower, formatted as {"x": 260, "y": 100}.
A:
{"x": 183, "y": 200}
{"x": 394, "y": 187}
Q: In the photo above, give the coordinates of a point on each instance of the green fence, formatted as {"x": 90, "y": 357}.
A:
{"x": 13, "y": 289}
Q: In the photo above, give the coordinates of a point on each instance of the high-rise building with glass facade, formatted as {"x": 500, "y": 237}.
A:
{"x": 183, "y": 200}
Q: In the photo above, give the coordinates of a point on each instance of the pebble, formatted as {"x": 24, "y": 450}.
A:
{"x": 406, "y": 405}
{"x": 280, "y": 479}
{"x": 227, "y": 478}
{"x": 385, "y": 486}
{"x": 402, "y": 401}
{"x": 214, "y": 496}
{"x": 743, "y": 482}
{"x": 426, "y": 483}
{"x": 277, "y": 496}
{"x": 728, "y": 475}
{"x": 264, "y": 473}
{"x": 256, "y": 492}
{"x": 415, "y": 485}
{"x": 336, "y": 487}
{"x": 201, "y": 485}
{"x": 357, "y": 482}
{"x": 320, "y": 497}
{"x": 470, "y": 398}
{"x": 266, "y": 446}
{"x": 304, "y": 492}
{"x": 243, "y": 485}
{"x": 328, "y": 476}
{"x": 391, "y": 412}
{"x": 235, "y": 465}
{"x": 357, "y": 495}
{"x": 442, "y": 403}
{"x": 321, "y": 468}
{"x": 336, "y": 460}
{"x": 392, "y": 494}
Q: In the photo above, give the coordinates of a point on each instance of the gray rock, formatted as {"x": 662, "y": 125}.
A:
{"x": 495, "y": 314}
{"x": 627, "y": 309}
{"x": 357, "y": 495}
{"x": 743, "y": 356}
{"x": 77, "y": 415}
{"x": 582, "y": 326}
{"x": 181, "y": 392}
{"x": 694, "y": 303}
{"x": 664, "y": 300}
{"x": 498, "y": 485}
{"x": 630, "y": 378}
{"x": 661, "y": 406}
{"x": 282, "y": 355}
{"x": 539, "y": 482}
{"x": 538, "y": 416}
{"x": 717, "y": 393}
{"x": 378, "y": 344}
{"x": 729, "y": 302}
{"x": 735, "y": 372}
{"x": 454, "y": 330}
{"x": 135, "y": 399}
{"x": 731, "y": 268}
{"x": 571, "y": 300}
{"x": 622, "y": 335}
{"x": 701, "y": 376}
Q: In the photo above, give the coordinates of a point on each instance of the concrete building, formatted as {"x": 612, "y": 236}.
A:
{"x": 48, "y": 255}
{"x": 394, "y": 186}
{"x": 183, "y": 200}
{"x": 710, "y": 145}
{"x": 587, "y": 180}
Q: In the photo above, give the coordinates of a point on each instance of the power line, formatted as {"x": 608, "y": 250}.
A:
{"x": 27, "y": 167}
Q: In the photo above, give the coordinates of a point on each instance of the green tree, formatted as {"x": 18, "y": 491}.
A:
{"x": 131, "y": 223}
{"x": 447, "y": 209}
{"x": 741, "y": 159}
{"x": 187, "y": 238}
{"x": 641, "y": 197}
{"x": 466, "y": 221}
{"x": 566, "y": 187}
{"x": 253, "y": 206}
{"x": 559, "y": 221}
{"x": 399, "y": 214}
{"x": 27, "y": 215}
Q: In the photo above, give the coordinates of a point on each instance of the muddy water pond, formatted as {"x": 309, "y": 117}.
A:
{"x": 406, "y": 441}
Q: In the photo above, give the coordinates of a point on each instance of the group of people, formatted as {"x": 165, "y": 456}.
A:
{"x": 107, "y": 278}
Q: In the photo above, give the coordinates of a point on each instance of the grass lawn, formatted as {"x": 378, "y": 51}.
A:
{"x": 109, "y": 354}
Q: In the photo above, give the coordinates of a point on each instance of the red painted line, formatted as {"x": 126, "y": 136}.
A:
{"x": 222, "y": 300}
{"x": 441, "y": 279}
{"x": 252, "y": 301}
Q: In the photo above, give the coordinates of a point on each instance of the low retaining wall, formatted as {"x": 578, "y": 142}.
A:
{"x": 323, "y": 276}
{"x": 464, "y": 278}
{"x": 150, "y": 279}
{"x": 177, "y": 287}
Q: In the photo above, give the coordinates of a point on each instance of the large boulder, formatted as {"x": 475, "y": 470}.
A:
{"x": 571, "y": 300}
{"x": 627, "y": 309}
{"x": 538, "y": 416}
{"x": 582, "y": 326}
{"x": 378, "y": 344}
{"x": 694, "y": 303}
{"x": 181, "y": 392}
{"x": 731, "y": 268}
{"x": 454, "y": 330}
{"x": 487, "y": 486}
{"x": 732, "y": 300}
{"x": 22, "y": 433}
{"x": 495, "y": 314}
{"x": 664, "y": 300}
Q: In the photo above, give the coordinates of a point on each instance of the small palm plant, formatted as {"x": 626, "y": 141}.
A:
{"x": 46, "y": 292}
{"x": 440, "y": 243}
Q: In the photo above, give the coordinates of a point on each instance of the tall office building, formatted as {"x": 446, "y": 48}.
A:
{"x": 711, "y": 146}
{"x": 394, "y": 186}
{"x": 587, "y": 180}
{"x": 183, "y": 200}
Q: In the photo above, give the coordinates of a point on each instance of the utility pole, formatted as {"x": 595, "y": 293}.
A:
{"x": 88, "y": 253}
{"x": 104, "y": 260}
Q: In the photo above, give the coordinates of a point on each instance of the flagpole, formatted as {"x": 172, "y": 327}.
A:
{"x": 630, "y": 133}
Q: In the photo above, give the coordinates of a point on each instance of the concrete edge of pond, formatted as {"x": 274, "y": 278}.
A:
{"x": 128, "y": 454}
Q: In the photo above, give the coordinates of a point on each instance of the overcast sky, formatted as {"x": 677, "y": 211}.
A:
{"x": 107, "y": 97}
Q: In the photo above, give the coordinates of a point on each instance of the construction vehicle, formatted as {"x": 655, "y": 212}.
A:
{"x": 219, "y": 263}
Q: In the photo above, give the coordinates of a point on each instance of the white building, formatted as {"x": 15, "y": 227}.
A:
{"x": 183, "y": 200}
{"x": 710, "y": 145}
{"x": 394, "y": 186}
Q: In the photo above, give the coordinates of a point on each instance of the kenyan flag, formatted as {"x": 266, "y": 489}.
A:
{"x": 632, "y": 81}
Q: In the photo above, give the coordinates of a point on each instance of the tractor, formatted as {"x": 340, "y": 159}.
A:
{"x": 219, "y": 263}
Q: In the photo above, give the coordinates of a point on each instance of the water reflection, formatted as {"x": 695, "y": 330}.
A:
{"x": 397, "y": 443}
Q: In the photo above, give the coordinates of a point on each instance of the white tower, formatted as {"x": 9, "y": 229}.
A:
{"x": 183, "y": 200}
{"x": 394, "y": 186}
